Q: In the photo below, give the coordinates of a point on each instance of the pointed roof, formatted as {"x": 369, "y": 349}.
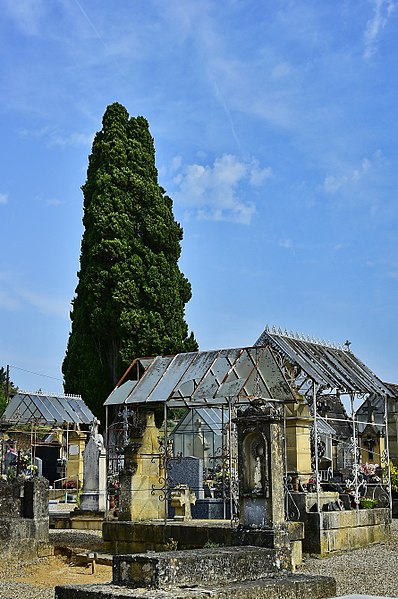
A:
{"x": 328, "y": 365}
{"x": 39, "y": 408}
{"x": 205, "y": 379}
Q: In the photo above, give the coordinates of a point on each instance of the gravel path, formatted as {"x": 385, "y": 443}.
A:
{"x": 369, "y": 571}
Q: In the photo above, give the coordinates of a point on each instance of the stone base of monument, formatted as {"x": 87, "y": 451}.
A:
{"x": 233, "y": 572}
{"x": 156, "y": 535}
{"x": 327, "y": 532}
{"x": 86, "y": 519}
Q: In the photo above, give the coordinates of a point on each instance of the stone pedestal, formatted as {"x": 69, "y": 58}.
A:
{"x": 298, "y": 445}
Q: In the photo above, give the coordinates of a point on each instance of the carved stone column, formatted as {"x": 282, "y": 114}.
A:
{"x": 143, "y": 471}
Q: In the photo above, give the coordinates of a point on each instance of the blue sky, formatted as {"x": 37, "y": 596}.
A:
{"x": 276, "y": 136}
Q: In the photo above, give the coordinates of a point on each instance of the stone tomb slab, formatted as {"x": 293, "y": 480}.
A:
{"x": 220, "y": 573}
{"x": 197, "y": 567}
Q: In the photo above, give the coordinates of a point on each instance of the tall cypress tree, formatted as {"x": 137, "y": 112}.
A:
{"x": 131, "y": 295}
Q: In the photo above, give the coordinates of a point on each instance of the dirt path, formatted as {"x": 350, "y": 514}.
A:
{"x": 56, "y": 570}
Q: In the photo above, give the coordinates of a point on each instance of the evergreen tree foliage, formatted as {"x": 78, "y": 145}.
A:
{"x": 7, "y": 389}
{"x": 131, "y": 295}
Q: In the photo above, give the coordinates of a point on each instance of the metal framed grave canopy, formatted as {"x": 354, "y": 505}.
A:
{"x": 329, "y": 366}
{"x": 45, "y": 409}
{"x": 275, "y": 369}
{"x": 209, "y": 378}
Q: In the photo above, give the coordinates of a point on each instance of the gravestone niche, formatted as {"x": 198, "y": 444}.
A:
{"x": 261, "y": 476}
{"x": 261, "y": 466}
{"x": 93, "y": 497}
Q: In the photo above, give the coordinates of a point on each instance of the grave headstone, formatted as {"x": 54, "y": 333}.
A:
{"x": 187, "y": 471}
{"x": 39, "y": 463}
{"x": 93, "y": 497}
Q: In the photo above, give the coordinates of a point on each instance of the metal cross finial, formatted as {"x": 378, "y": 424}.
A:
{"x": 347, "y": 344}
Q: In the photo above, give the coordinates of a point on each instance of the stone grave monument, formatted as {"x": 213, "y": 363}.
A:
{"x": 93, "y": 497}
{"x": 141, "y": 494}
{"x": 261, "y": 481}
{"x": 24, "y": 518}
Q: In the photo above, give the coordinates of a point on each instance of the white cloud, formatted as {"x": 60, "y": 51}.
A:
{"x": 45, "y": 304}
{"x": 8, "y": 301}
{"x": 26, "y": 14}
{"x": 3, "y": 198}
{"x": 382, "y": 10}
{"x": 283, "y": 69}
{"x": 53, "y": 202}
{"x": 215, "y": 192}
{"x": 335, "y": 183}
{"x": 54, "y": 138}
{"x": 259, "y": 175}
{"x": 286, "y": 243}
{"x": 14, "y": 296}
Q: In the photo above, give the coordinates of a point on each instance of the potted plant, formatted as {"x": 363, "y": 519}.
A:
{"x": 368, "y": 502}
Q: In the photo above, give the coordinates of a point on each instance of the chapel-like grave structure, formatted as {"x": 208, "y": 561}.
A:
{"x": 267, "y": 473}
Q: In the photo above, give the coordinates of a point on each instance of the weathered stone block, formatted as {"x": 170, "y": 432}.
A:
{"x": 196, "y": 567}
{"x": 286, "y": 587}
{"x": 327, "y": 532}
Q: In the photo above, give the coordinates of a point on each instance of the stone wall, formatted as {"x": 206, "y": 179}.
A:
{"x": 328, "y": 532}
{"x": 24, "y": 518}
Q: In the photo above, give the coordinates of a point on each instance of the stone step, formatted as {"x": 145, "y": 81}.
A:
{"x": 289, "y": 586}
{"x": 221, "y": 565}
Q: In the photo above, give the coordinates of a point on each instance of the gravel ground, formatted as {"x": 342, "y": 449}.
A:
{"x": 369, "y": 571}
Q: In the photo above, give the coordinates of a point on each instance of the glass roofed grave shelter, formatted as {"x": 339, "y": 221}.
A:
{"x": 202, "y": 433}
{"x": 195, "y": 398}
{"x": 48, "y": 432}
{"x": 333, "y": 382}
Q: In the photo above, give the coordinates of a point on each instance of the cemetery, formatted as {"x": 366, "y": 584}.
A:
{"x": 214, "y": 462}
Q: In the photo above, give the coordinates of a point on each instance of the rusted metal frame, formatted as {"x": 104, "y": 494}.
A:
{"x": 387, "y": 456}
{"x": 334, "y": 370}
{"x": 207, "y": 371}
{"x": 256, "y": 369}
{"x": 297, "y": 357}
{"x": 198, "y": 381}
{"x": 355, "y": 451}
{"x": 375, "y": 384}
{"x": 300, "y": 379}
{"x": 282, "y": 362}
{"x": 133, "y": 363}
{"x": 233, "y": 466}
{"x": 166, "y": 374}
{"x": 316, "y": 457}
{"x": 312, "y": 365}
{"x": 362, "y": 382}
{"x": 232, "y": 367}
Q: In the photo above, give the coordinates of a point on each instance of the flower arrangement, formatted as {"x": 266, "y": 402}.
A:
{"x": 113, "y": 492}
{"x": 32, "y": 470}
{"x": 69, "y": 484}
{"x": 394, "y": 478}
{"x": 369, "y": 470}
